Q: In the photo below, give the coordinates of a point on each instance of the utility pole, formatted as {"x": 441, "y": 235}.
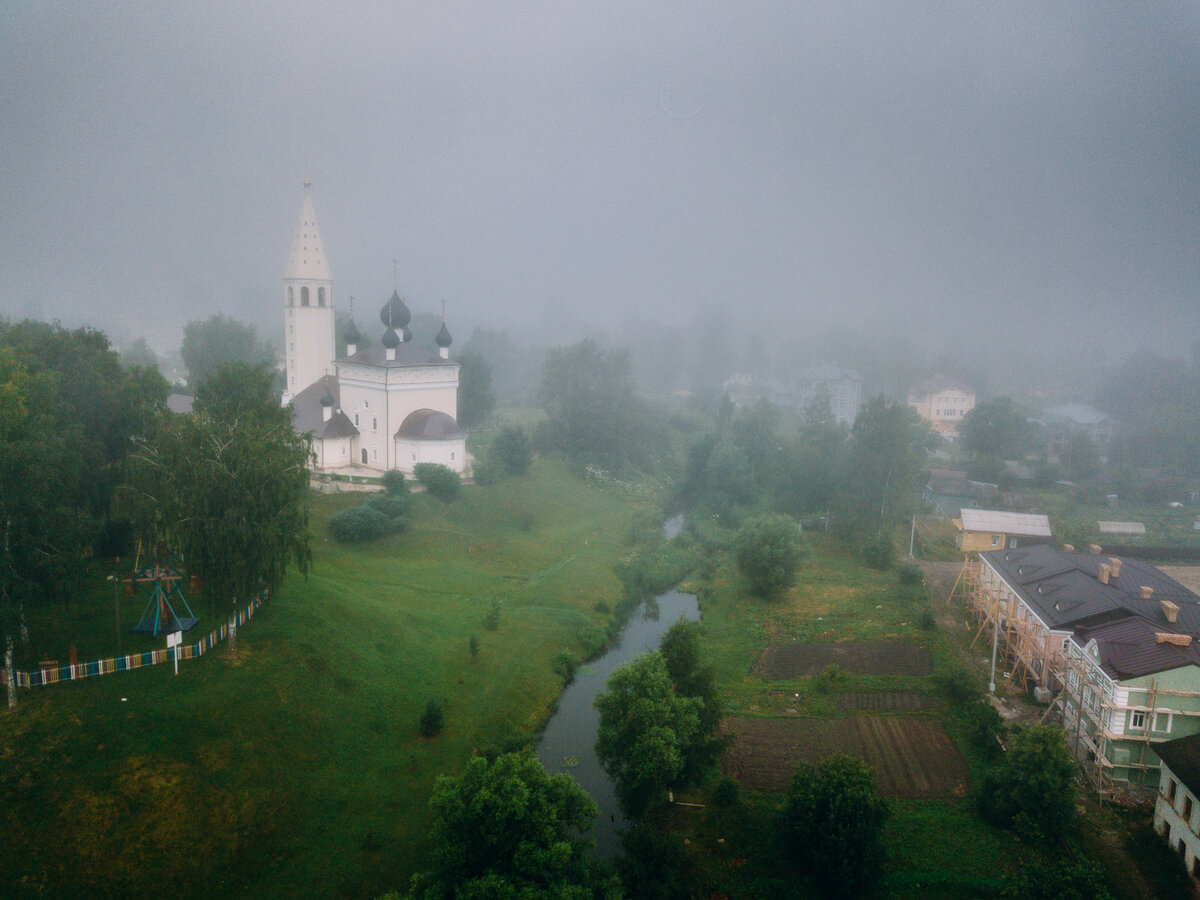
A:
{"x": 912, "y": 536}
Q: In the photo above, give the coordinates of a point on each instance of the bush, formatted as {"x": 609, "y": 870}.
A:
{"x": 910, "y": 574}
{"x": 926, "y": 619}
{"x": 438, "y": 480}
{"x": 1032, "y": 790}
{"x": 832, "y": 678}
{"x": 432, "y": 720}
{"x": 879, "y": 552}
{"x": 358, "y": 523}
{"x": 833, "y": 825}
{"x": 511, "y": 451}
{"x": 394, "y": 482}
{"x": 958, "y": 686}
{"x": 727, "y": 794}
{"x": 768, "y": 553}
{"x": 492, "y": 620}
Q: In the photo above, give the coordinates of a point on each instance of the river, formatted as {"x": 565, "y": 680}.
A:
{"x": 569, "y": 741}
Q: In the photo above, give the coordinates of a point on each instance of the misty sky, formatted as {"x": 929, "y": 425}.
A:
{"x": 955, "y": 171}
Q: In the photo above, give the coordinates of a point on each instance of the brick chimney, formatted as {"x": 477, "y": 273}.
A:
{"x": 1170, "y": 610}
{"x": 1147, "y": 592}
{"x": 1179, "y": 640}
{"x": 1068, "y": 548}
{"x": 1115, "y": 564}
{"x": 1094, "y": 548}
{"x": 1103, "y": 573}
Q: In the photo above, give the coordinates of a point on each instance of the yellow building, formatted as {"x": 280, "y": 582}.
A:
{"x": 943, "y": 405}
{"x": 989, "y": 529}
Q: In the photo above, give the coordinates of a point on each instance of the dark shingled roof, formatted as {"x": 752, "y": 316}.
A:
{"x": 1182, "y": 755}
{"x": 1065, "y": 591}
{"x": 429, "y": 425}
{"x": 308, "y": 416}
{"x": 407, "y": 354}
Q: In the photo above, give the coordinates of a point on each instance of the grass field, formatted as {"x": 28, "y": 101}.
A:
{"x": 294, "y": 767}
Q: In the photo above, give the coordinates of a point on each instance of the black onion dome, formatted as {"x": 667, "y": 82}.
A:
{"x": 443, "y": 338}
{"x": 391, "y": 340}
{"x": 350, "y": 333}
{"x": 327, "y": 398}
{"x": 394, "y": 313}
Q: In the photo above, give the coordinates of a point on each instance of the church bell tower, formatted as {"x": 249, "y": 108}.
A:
{"x": 308, "y": 305}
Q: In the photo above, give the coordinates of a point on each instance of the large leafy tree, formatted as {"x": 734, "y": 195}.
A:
{"x": 768, "y": 553}
{"x": 1032, "y": 790}
{"x": 887, "y": 450}
{"x": 41, "y": 530}
{"x": 833, "y": 825}
{"x": 691, "y": 676}
{"x": 996, "y": 428}
{"x": 475, "y": 398}
{"x": 227, "y": 487}
{"x": 646, "y": 730}
{"x": 97, "y": 404}
{"x": 592, "y": 414}
{"x": 505, "y": 828}
{"x": 217, "y": 341}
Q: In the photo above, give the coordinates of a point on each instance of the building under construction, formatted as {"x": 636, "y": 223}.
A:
{"x": 1110, "y": 644}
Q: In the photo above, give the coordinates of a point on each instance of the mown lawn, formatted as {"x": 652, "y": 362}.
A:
{"x": 294, "y": 767}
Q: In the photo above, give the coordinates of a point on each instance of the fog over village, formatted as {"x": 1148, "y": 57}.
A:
{"x": 600, "y": 451}
{"x": 959, "y": 180}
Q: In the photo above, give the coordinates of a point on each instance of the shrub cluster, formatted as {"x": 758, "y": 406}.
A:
{"x": 378, "y": 515}
{"x": 438, "y": 480}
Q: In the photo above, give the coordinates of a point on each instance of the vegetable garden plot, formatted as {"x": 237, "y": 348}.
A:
{"x": 912, "y": 757}
{"x": 781, "y": 661}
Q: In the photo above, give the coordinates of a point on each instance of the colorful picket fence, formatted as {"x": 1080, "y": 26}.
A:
{"x": 55, "y": 674}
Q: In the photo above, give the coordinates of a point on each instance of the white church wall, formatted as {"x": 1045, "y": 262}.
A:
{"x": 452, "y": 454}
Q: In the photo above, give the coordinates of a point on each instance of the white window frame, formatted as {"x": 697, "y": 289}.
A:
{"x": 1137, "y": 720}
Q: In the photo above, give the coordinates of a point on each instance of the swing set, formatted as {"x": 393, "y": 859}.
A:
{"x": 165, "y": 601}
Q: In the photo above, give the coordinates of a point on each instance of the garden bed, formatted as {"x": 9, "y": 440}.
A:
{"x": 912, "y": 756}
{"x": 781, "y": 661}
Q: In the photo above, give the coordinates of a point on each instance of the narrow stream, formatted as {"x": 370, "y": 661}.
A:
{"x": 568, "y": 743}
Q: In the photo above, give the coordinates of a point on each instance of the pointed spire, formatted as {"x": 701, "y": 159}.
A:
{"x": 307, "y": 260}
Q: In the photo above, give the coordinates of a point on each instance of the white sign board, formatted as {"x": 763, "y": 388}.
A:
{"x": 174, "y": 639}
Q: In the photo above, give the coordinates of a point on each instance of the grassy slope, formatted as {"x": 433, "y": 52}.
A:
{"x": 295, "y": 768}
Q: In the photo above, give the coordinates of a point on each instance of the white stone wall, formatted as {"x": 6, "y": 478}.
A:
{"x": 452, "y": 454}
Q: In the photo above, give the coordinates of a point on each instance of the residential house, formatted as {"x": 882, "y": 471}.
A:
{"x": 1071, "y": 418}
{"x": 1110, "y": 642}
{"x": 844, "y": 387}
{"x": 943, "y": 404}
{"x": 990, "y": 529}
{"x": 1177, "y": 808}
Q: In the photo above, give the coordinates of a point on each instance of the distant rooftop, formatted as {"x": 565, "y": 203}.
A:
{"x": 1021, "y": 524}
{"x": 1122, "y": 527}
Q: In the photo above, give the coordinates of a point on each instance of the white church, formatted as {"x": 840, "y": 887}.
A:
{"x": 379, "y": 407}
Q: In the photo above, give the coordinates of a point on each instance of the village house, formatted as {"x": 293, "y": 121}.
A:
{"x": 990, "y": 529}
{"x": 943, "y": 404}
{"x": 1109, "y": 642}
{"x": 1177, "y": 809}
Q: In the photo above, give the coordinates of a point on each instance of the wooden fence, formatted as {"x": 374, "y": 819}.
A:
{"x": 55, "y": 674}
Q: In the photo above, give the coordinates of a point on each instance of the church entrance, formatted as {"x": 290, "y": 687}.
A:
{"x": 364, "y": 457}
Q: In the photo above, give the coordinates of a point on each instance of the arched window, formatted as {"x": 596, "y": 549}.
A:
{"x": 374, "y": 423}
{"x": 291, "y": 295}
{"x": 320, "y": 296}
{"x": 304, "y": 296}
{"x": 364, "y": 455}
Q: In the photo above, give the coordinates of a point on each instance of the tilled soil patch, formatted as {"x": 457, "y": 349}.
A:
{"x": 903, "y": 701}
{"x": 780, "y": 661}
{"x": 911, "y": 756}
